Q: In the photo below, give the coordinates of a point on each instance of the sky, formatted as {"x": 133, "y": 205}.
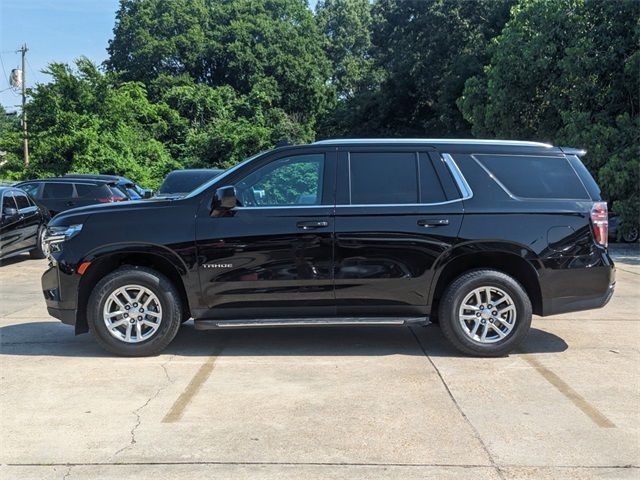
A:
{"x": 54, "y": 31}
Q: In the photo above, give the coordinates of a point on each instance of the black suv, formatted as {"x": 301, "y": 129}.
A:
{"x": 22, "y": 224}
{"x": 132, "y": 189}
{"x": 60, "y": 194}
{"x": 476, "y": 235}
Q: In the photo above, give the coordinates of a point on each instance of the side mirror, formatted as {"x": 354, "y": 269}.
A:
{"x": 147, "y": 193}
{"x": 224, "y": 200}
{"x": 10, "y": 212}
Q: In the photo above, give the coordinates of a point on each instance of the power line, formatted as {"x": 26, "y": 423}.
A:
{"x": 4, "y": 71}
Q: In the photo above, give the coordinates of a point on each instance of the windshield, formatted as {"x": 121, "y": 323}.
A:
{"x": 224, "y": 174}
{"x": 185, "y": 181}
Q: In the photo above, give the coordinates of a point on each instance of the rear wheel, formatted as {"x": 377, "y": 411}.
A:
{"x": 134, "y": 311}
{"x": 485, "y": 313}
{"x": 631, "y": 236}
{"x": 38, "y": 252}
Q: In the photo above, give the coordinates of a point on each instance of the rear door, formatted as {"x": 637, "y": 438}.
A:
{"x": 29, "y": 220}
{"x": 58, "y": 196}
{"x": 397, "y": 211}
{"x": 10, "y": 234}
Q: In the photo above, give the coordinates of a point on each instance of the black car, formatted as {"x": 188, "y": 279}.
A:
{"x": 475, "y": 235}
{"x": 629, "y": 235}
{"x": 60, "y": 194}
{"x": 22, "y": 224}
{"x": 132, "y": 189}
{"x": 180, "y": 182}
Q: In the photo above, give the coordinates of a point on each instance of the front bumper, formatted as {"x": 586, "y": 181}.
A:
{"x": 60, "y": 292}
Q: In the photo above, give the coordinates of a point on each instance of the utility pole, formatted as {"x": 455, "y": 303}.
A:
{"x": 23, "y": 50}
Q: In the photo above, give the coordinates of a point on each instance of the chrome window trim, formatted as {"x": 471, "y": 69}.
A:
{"x": 461, "y": 182}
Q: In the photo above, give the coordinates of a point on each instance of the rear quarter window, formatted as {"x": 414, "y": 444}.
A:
{"x": 535, "y": 176}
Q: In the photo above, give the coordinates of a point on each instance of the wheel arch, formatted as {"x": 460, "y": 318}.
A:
{"x": 105, "y": 262}
{"x": 513, "y": 260}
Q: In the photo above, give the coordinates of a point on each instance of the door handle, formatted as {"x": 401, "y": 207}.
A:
{"x": 440, "y": 222}
{"x": 312, "y": 225}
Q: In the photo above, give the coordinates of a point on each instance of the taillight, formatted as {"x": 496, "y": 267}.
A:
{"x": 600, "y": 220}
{"x": 110, "y": 199}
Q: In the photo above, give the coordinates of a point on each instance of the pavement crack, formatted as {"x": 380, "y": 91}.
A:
{"x": 138, "y": 411}
{"x": 475, "y": 431}
{"x": 68, "y": 472}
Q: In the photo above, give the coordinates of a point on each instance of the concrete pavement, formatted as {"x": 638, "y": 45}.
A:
{"x": 335, "y": 403}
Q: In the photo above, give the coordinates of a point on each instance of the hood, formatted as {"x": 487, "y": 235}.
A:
{"x": 80, "y": 214}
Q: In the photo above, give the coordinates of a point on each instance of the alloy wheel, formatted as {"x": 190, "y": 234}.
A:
{"x": 487, "y": 314}
{"x": 132, "y": 313}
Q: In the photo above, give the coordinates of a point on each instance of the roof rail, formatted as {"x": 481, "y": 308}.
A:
{"x": 433, "y": 141}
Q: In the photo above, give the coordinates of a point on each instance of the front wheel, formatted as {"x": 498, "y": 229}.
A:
{"x": 134, "y": 311}
{"x": 485, "y": 313}
{"x": 631, "y": 236}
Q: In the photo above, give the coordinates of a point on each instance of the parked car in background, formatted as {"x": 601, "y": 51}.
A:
{"x": 475, "y": 235}
{"x": 133, "y": 190}
{"x": 60, "y": 194}
{"x": 22, "y": 224}
{"x": 629, "y": 236}
{"x": 181, "y": 182}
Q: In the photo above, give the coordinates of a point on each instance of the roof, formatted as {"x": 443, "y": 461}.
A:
{"x": 431, "y": 141}
{"x": 90, "y": 181}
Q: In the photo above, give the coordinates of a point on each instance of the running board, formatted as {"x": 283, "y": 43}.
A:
{"x": 307, "y": 322}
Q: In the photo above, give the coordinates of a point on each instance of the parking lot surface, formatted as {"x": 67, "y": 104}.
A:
{"x": 336, "y": 403}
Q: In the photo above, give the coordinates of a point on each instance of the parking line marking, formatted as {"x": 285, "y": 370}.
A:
{"x": 563, "y": 387}
{"x": 177, "y": 409}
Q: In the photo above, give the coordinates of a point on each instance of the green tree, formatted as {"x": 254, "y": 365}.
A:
{"x": 237, "y": 43}
{"x": 567, "y": 72}
{"x": 82, "y": 122}
{"x": 347, "y": 29}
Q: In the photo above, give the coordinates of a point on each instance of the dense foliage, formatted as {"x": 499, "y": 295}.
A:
{"x": 209, "y": 82}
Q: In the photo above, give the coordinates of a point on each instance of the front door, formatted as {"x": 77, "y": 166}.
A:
{"x": 10, "y": 225}
{"x": 272, "y": 255}
{"x": 395, "y": 215}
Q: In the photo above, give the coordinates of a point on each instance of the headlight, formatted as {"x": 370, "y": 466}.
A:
{"x": 55, "y": 236}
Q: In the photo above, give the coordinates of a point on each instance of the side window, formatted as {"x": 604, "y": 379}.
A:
{"x": 57, "y": 190}
{"x": 431, "y": 190}
{"x": 535, "y": 176}
{"x": 21, "y": 200}
{"x": 383, "y": 178}
{"x": 31, "y": 189}
{"x": 295, "y": 180}
{"x": 8, "y": 201}
{"x": 84, "y": 189}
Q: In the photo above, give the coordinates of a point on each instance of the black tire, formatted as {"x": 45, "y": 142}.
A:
{"x": 38, "y": 253}
{"x": 455, "y": 295}
{"x": 631, "y": 236}
{"x": 161, "y": 287}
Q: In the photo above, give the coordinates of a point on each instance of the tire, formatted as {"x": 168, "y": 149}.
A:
{"x": 514, "y": 323}
{"x": 165, "y": 304}
{"x": 631, "y": 236}
{"x": 38, "y": 253}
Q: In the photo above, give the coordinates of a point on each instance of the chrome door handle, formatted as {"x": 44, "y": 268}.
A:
{"x": 440, "y": 222}
{"x": 312, "y": 225}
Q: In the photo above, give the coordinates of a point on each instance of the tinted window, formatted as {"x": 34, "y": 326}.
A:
{"x": 293, "y": 180}
{"x": 431, "y": 190}
{"x": 86, "y": 190}
{"x": 21, "y": 200}
{"x": 535, "y": 177}
{"x": 179, "y": 182}
{"x": 7, "y": 201}
{"x": 31, "y": 189}
{"x": 57, "y": 190}
{"x": 383, "y": 178}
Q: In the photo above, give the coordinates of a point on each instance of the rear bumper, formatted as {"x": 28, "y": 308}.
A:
{"x": 575, "y": 304}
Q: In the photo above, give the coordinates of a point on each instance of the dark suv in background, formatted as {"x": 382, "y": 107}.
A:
{"x": 476, "y": 235}
{"x": 60, "y": 194}
{"x": 22, "y": 224}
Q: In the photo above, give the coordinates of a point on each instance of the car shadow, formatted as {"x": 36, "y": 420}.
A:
{"x": 5, "y": 262}
{"x": 57, "y": 340}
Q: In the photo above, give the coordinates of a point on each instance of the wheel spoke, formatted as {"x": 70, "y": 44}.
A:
{"x": 468, "y": 317}
{"x": 150, "y": 324}
{"x": 506, "y": 309}
{"x": 500, "y": 333}
{"x": 487, "y": 292}
{"x": 483, "y": 337}
{"x": 473, "y": 308}
{"x": 115, "y": 314}
{"x": 475, "y": 328}
{"x": 504, "y": 322}
{"x": 118, "y": 323}
{"x": 127, "y": 336}
{"x": 138, "y": 331}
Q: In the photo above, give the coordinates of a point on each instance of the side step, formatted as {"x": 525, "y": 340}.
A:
{"x": 307, "y": 322}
